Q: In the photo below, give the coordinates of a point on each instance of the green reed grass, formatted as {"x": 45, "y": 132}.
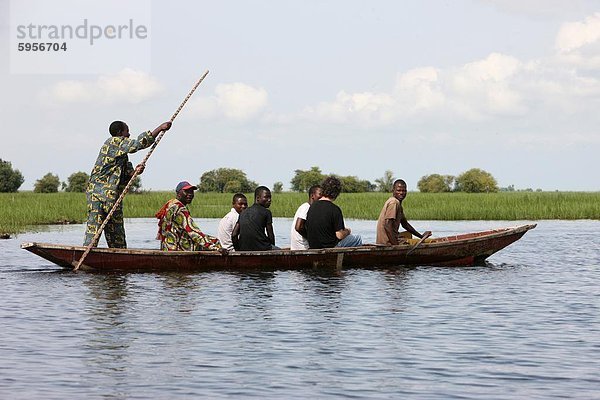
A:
{"x": 21, "y": 211}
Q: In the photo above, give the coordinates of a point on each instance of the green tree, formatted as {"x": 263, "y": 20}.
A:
{"x": 435, "y": 183}
{"x": 49, "y": 183}
{"x": 509, "y": 188}
{"x": 351, "y": 184}
{"x": 233, "y": 186}
{"x": 136, "y": 185}
{"x": 278, "y": 187}
{"x": 476, "y": 180}
{"x": 226, "y": 180}
{"x": 77, "y": 182}
{"x": 385, "y": 183}
{"x": 10, "y": 179}
{"x": 303, "y": 180}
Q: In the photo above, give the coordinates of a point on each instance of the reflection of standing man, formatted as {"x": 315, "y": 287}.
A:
{"x": 109, "y": 177}
{"x": 392, "y": 216}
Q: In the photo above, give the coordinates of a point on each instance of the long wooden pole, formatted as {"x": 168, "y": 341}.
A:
{"x": 425, "y": 236}
{"x": 135, "y": 174}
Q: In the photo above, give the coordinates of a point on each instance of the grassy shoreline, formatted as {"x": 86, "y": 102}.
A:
{"x": 19, "y": 212}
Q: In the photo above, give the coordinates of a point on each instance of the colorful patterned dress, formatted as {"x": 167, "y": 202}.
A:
{"x": 109, "y": 177}
{"x": 178, "y": 231}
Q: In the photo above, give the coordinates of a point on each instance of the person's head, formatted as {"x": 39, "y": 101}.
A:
{"x": 239, "y": 202}
{"x": 399, "y": 189}
{"x": 314, "y": 193}
{"x": 331, "y": 187}
{"x": 118, "y": 128}
{"x": 185, "y": 192}
{"x": 262, "y": 196}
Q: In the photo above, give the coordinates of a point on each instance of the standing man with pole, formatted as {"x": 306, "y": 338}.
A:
{"x": 120, "y": 178}
{"x": 109, "y": 176}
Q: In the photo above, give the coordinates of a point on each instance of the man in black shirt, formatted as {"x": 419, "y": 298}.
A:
{"x": 254, "y": 229}
{"x": 325, "y": 222}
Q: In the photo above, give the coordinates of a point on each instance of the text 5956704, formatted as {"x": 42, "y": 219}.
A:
{"x": 42, "y": 46}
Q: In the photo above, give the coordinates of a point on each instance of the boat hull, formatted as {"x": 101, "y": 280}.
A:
{"x": 467, "y": 249}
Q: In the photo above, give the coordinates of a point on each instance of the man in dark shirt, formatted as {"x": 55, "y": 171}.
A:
{"x": 254, "y": 229}
{"x": 325, "y": 222}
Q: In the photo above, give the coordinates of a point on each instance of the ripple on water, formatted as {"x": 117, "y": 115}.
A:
{"x": 524, "y": 325}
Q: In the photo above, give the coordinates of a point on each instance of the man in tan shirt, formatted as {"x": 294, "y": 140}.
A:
{"x": 392, "y": 216}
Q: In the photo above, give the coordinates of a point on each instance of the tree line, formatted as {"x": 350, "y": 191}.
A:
{"x": 231, "y": 180}
{"x": 474, "y": 180}
{"x": 11, "y": 180}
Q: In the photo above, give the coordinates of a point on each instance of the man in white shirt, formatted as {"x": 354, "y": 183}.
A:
{"x": 239, "y": 203}
{"x": 298, "y": 239}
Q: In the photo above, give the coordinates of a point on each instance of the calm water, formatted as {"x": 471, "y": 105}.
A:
{"x": 526, "y": 325}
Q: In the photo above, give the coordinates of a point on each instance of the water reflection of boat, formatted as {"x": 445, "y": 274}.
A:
{"x": 457, "y": 250}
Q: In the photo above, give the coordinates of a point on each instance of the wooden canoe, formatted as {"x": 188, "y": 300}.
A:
{"x": 465, "y": 249}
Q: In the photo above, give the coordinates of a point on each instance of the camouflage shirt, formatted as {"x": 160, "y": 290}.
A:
{"x": 113, "y": 169}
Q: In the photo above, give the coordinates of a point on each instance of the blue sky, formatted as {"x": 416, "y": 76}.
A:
{"x": 354, "y": 87}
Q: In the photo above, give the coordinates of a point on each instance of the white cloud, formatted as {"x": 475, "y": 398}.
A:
{"x": 494, "y": 68}
{"x": 127, "y": 86}
{"x": 235, "y": 101}
{"x": 70, "y": 92}
{"x": 495, "y": 87}
{"x": 539, "y": 8}
{"x": 574, "y": 35}
{"x": 419, "y": 90}
{"x": 416, "y": 91}
{"x": 578, "y": 44}
{"x": 364, "y": 108}
{"x": 239, "y": 101}
{"x": 203, "y": 108}
{"x": 486, "y": 87}
{"x": 474, "y": 91}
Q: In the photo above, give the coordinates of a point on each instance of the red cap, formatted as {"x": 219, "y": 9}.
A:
{"x": 184, "y": 185}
